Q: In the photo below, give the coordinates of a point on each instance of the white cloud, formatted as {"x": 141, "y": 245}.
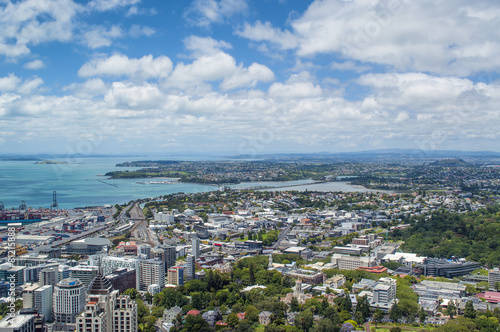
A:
{"x": 265, "y": 32}
{"x": 99, "y": 36}
{"x": 35, "y": 64}
{"x": 31, "y": 22}
{"x": 117, "y": 65}
{"x": 349, "y": 66}
{"x": 205, "y": 68}
{"x": 129, "y": 96}
{"x": 9, "y": 83}
{"x": 248, "y": 77}
{"x": 297, "y": 86}
{"x": 457, "y": 38}
{"x": 205, "y": 12}
{"x": 138, "y": 31}
{"x": 30, "y": 86}
{"x": 205, "y": 45}
{"x": 104, "y": 5}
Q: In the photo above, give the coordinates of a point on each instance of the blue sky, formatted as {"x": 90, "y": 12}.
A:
{"x": 248, "y": 77}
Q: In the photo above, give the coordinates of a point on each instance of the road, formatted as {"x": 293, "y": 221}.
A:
{"x": 282, "y": 235}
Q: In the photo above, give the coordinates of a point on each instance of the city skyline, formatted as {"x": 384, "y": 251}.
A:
{"x": 243, "y": 77}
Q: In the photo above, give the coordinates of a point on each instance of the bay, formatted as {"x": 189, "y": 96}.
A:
{"x": 83, "y": 184}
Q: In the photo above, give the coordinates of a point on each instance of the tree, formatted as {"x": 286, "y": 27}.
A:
{"x": 422, "y": 315}
{"x": 252, "y": 273}
{"x": 304, "y": 320}
{"x": 395, "y": 312}
{"x": 252, "y": 314}
{"x": 232, "y": 320}
{"x": 497, "y": 286}
{"x": 469, "y": 311}
{"x": 377, "y": 316}
{"x": 294, "y": 305}
{"x": 325, "y": 325}
{"x": 451, "y": 309}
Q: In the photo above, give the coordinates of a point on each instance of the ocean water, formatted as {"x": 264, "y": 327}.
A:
{"x": 83, "y": 184}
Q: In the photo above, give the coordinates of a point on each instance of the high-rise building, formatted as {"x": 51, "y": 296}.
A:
{"x": 106, "y": 311}
{"x": 43, "y": 301}
{"x": 144, "y": 249}
{"x": 169, "y": 255}
{"x": 195, "y": 248}
{"x": 68, "y": 300}
{"x": 49, "y": 276}
{"x": 176, "y": 275}
{"x": 151, "y": 271}
{"x": 18, "y": 323}
{"x": 29, "y": 296}
{"x": 493, "y": 277}
{"x": 190, "y": 267}
{"x": 84, "y": 273}
{"x": 109, "y": 264}
{"x": 124, "y": 315}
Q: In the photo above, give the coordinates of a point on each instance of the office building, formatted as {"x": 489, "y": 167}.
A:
{"x": 176, "y": 275}
{"x": 346, "y": 262}
{"x": 84, "y": 273}
{"x": 123, "y": 279}
{"x": 18, "y": 323}
{"x": 7, "y": 270}
{"x": 437, "y": 267}
{"x": 106, "y": 311}
{"x": 124, "y": 315}
{"x": 43, "y": 301}
{"x": 190, "y": 267}
{"x": 29, "y": 296}
{"x": 493, "y": 277}
{"x": 87, "y": 246}
{"x": 151, "y": 271}
{"x": 384, "y": 294}
{"x": 195, "y": 248}
{"x": 49, "y": 276}
{"x": 68, "y": 300}
{"x": 144, "y": 249}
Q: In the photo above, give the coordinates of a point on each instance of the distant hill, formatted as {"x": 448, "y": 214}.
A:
{"x": 376, "y": 155}
{"x": 450, "y": 163}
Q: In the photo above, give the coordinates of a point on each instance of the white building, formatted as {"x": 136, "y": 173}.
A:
{"x": 43, "y": 301}
{"x": 154, "y": 289}
{"x": 68, "y": 300}
{"x": 106, "y": 311}
{"x": 18, "y": 323}
{"x": 29, "y": 296}
{"x": 84, "y": 273}
{"x": 384, "y": 294}
{"x": 346, "y": 262}
{"x": 151, "y": 271}
{"x": 195, "y": 248}
{"x": 190, "y": 267}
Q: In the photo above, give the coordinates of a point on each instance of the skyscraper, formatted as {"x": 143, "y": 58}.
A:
{"x": 176, "y": 275}
{"x": 151, "y": 271}
{"x": 195, "y": 248}
{"x": 190, "y": 267}
{"x": 106, "y": 311}
{"x": 68, "y": 300}
{"x": 43, "y": 301}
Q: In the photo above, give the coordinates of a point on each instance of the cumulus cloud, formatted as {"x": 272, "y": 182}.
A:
{"x": 138, "y": 31}
{"x": 34, "y": 65}
{"x": 205, "y": 12}
{"x": 394, "y": 33}
{"x": 205, "y": 45}
{"x": 117, "y": 65}
{"x": 99, "y": 36}
{"x": 103, "y": 5}
{"x": 31, "y": 22}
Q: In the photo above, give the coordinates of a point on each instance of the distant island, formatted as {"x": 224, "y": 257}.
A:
{"x": 50, "y": 162}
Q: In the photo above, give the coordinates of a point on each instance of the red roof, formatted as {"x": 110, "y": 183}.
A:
{"x": 221, "y": 323}
{"x": 492, "y": 297}
{"x": 241, "y": 315}
{"x": 193, "y": 312}
{"x": 374, "y": 269}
